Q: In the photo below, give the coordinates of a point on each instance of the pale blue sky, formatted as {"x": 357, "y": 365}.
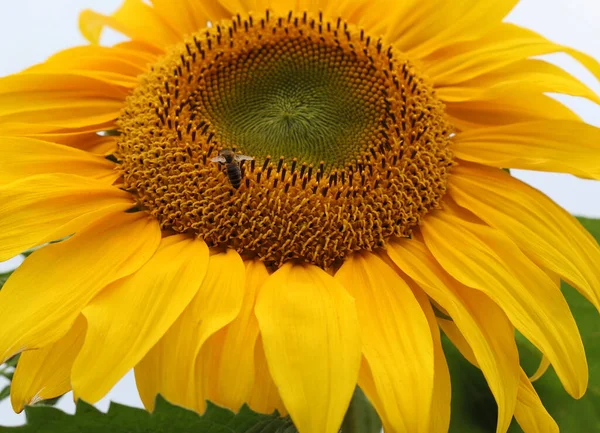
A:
{"x": 31, "y": 30}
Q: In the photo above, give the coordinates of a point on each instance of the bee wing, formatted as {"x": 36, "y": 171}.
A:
{"x": 219, "y": 158}
{"x": 243, "y": 158}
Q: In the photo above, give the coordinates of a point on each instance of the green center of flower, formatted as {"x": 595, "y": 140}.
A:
{"x": 295, "y": 98}
{"x": 291, "y": 137}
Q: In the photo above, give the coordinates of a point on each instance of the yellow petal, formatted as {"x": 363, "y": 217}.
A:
{"x": 119, "y": 64}
{"x": 170, "y": 367}
{"x": 420, "y": 28}
{"x": 44, "y": 296}
{"x": 442, "y": 392}
{"x": 127, "y": 318}
{"x": 43, "y": 208}
{"x": 23, "y": 157}
{"x": 511, "y": 107}
{"x": 188, "y": 16}
{"x": 525, "y": 76}
{"x": 311, "y": 337}
{"x": 397, "y": 341}
{"x": 134, "y": 19}
{"x": 551, "y": 145}
{"x": 489, "y": 261}
{"x": 542, "y": 368}
{"x": 530, "y": 413}
{"x": 45, "y": 373}
{"x": 367, "y": 385}
{"x": 227, "y": 358}
{"x": 60, "y": 99}
{"x": 85, "y": 138}
{"x": 478, "y": 320}
{"x": 265, "y": 397}
{"x": 502, "y": 46}
{"x": 548, "y": 233}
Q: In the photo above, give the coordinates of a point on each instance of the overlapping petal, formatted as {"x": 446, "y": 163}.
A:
{"x": 24, "y": 157}
{"x": 396, "y": 341}
{"x": 475, "y": 318}
{"x": 128, "y": 317}
{"x": 46, "y": 373}
{"x": 170, "y": 367}
{"x": 58, "y": 100}
{"x": 490, "y": 262}
{"x": 135, "y": 19}
{"x": 62, "y": 278}
{"x": 420, "y": 28}
{"x": 530, "y": 413}
{"x": 534, "y": 222}
{"x": 526, "y": 76}
{"x": 311, "y": 338}
{"x": 501, "y": 46}
{"x": 510, "y": 107}
{"x": 547, "y": 145}
{"x": 48, "y": 207}
{"x": 264, "y": 397}
{"x": 227, "y": 359}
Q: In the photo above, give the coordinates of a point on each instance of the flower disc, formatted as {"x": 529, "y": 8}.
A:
{"x": 349, "y": 143}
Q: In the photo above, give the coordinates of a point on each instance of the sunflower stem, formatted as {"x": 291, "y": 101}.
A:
{"x": 361, "y": 416}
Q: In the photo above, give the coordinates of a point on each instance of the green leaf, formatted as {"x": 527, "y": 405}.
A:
{"x": 5, "y": 392}
{"x": 166, "y": 418}
{"x": 3, "y": 277}
{"x": 473, "y": 407}
{"x": 361, "y": 416}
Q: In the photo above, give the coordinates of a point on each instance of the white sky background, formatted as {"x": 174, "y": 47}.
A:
{"x": 32, "y": 30}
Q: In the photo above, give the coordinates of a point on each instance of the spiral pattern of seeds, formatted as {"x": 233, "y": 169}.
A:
{"x": 350, "y": 144}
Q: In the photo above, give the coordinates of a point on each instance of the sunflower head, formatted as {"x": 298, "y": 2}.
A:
{"x": 266, "y": 203}
{"x": 349, "y": 145}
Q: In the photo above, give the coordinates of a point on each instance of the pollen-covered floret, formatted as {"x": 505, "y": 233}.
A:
{"x": 350, "y": 144}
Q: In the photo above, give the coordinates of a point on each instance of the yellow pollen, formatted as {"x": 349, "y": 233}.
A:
{"x": 289, "y": 137}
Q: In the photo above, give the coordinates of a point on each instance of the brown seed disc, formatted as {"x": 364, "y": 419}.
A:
{"x": 350, "y": 144}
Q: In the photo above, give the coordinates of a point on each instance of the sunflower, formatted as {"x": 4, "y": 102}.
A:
{"x": 271, "y": 203}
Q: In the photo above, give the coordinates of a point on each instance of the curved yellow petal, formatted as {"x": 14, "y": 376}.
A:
{"x": 264, "y": 397}
{"x": 542, "y": 229}
{"x": 127, "y": 318}
{"x": 60, "y": 99}
{"x": 422, "y": 27}
{"x": 122, "y": 60}
{"x": 110, "y": 65}
{"x": 169, "y": 368}
{"x": 310, "y": 333}
{"x": 45, "y": 373}
{"x": 542, "y": 368}
{"x": 43, "y": 208}
{"x": 367, "y": 385}
{"x": 490, "y": 262}
{"x": 477, "y": 319}
{"x": 442, "y": 391}
{"x": 528, "y": 410}
{"x": 530, "y": 413}
{"x": 502, "y": 46}
{"x": 525, "y": 76}
{"x": 396, "y": 340}
{"x": 134, "y": 19}
{"x": 511, "y": 107}
{"x": 548, "y": 145}
{"x": 23, "y": 157}
{"x": 44, "y": 296}
{"x": 227, "y": 358}
{"x": 86, "y": 138}
{"x": 188, "y": 16}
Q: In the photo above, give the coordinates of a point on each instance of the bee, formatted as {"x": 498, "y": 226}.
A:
{"x": 232, "y": 165}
